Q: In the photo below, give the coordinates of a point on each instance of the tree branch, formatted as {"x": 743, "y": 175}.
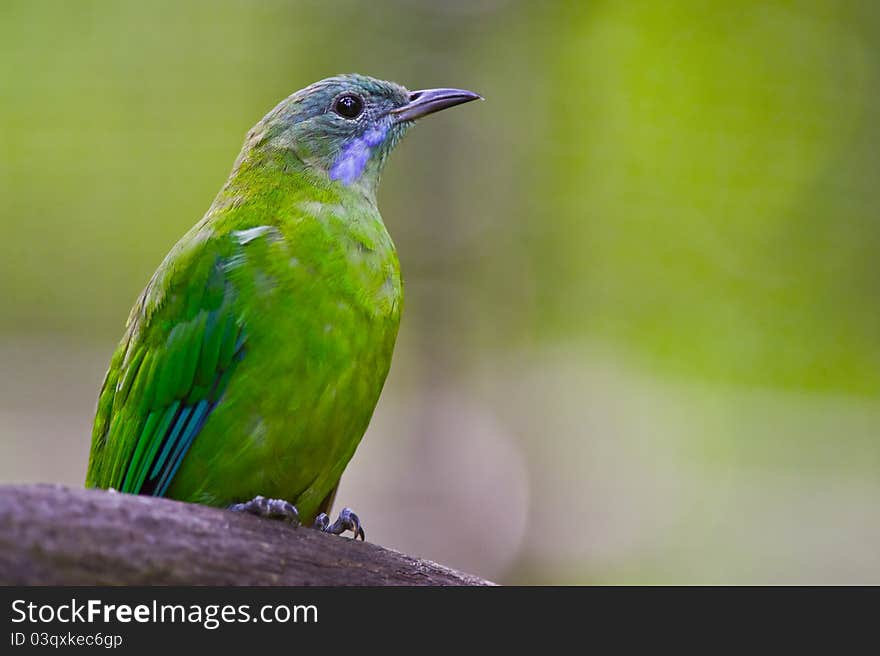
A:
{"x": 54, "y": 535}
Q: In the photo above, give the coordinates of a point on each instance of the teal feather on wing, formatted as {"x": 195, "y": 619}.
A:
{"x": 183, "y": 443}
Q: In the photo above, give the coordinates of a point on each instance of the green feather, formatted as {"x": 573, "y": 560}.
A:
{"x": 142, "y": 444}
{"x": 130, "y": 373}
{"x": 210, "y": 350}
{"x": 154, "y": 441}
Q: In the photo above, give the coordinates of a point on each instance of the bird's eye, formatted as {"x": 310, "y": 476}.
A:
{"x": 348, "y": 105}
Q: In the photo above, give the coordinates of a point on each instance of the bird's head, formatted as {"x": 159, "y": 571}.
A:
{"x": 344, "y": 127}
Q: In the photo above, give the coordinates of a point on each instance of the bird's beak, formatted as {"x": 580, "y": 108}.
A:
{"x": 427, "y": 101}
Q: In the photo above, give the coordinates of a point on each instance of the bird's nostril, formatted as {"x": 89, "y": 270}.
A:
{"x": 414, "y": 95}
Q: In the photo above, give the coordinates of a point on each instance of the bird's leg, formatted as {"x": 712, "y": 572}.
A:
{"x": 347, "y": 521}
{"x": 272, "y": 508}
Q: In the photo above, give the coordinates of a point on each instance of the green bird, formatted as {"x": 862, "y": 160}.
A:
{"x": 253, "y": 360}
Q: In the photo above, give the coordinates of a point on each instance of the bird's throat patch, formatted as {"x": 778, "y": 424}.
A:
{"x": 351, "y": 162}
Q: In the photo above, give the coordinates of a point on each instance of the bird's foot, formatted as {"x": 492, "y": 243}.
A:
{"x": 271, "y": 508}
{"x": 347, "y": 521}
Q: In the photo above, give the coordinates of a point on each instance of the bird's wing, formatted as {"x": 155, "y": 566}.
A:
{"x": 182, "y": 344}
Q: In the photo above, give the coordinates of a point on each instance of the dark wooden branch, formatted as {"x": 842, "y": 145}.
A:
{"x": 53, "y": 535}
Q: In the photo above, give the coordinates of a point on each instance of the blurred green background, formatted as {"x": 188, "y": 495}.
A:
{"x": 642, "y": 331}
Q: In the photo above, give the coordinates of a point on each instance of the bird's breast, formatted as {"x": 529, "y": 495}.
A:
{"x": 350, "y": 250}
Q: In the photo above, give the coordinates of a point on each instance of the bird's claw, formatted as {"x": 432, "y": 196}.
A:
{"x": 271, "y": 508}
{"x": 347, "y": 521}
